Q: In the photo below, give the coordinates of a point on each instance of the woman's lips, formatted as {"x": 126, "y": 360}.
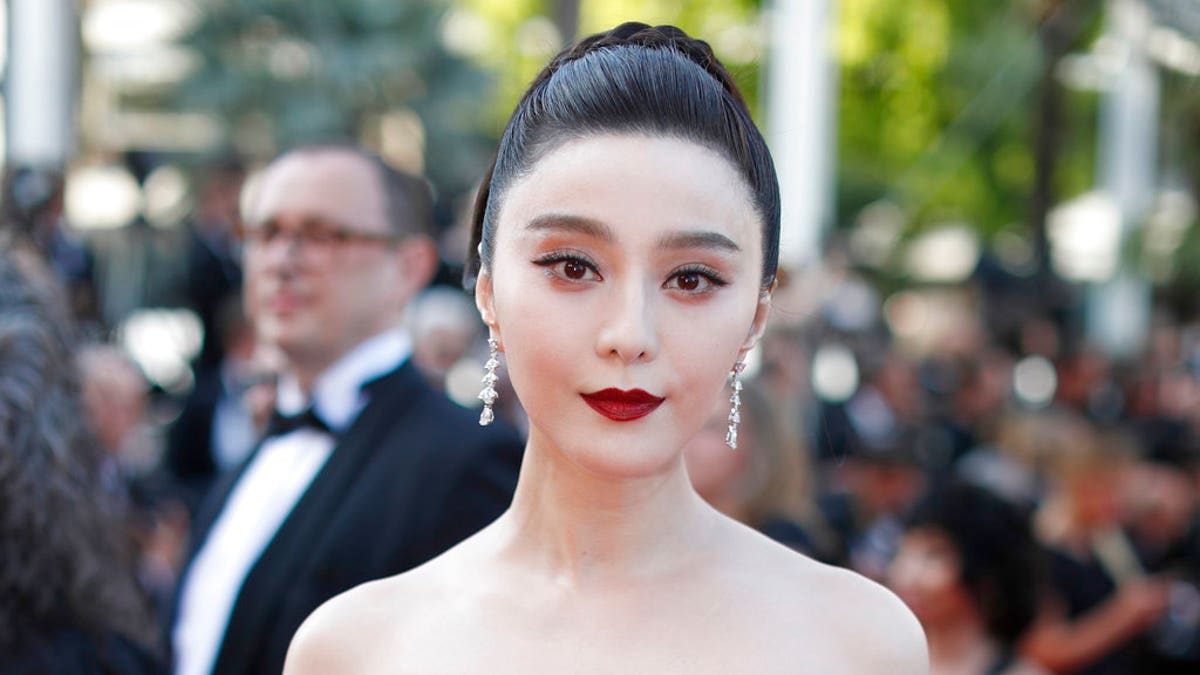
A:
{"x": 622, "y": 406}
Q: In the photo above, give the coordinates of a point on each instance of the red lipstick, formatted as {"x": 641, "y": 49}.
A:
{"x": 622, "y": 406}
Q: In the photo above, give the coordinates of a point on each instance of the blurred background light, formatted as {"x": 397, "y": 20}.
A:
{"x": 945, "y": 254}
{"x": 292, "y": 59}
{"x": 148, "y": 69}
{"x": 876, "y": 232}
{"x": 1173, "y": 50}
{"x": 538, "y": 37}
{"x": 101, "y": 197}
{"x": 129, "y": 25}
{"x": 165, "y": 196}
{"x": 906, "y": 313}
{"x": 852, "y": 306}
{"x": 1015, "y": 253}
{"x": 163, "y": 342}
{"x": 466, "y": 33}
{"x": 463, "y": 382}
{"x": 1085, "y": 237}
{"x": 162, "y": 130}
{"x": 1034, "y": 381}
{"x": 834, "y": 373}
{"x": 736, "y": 42}
{"x": 402, "y": 139}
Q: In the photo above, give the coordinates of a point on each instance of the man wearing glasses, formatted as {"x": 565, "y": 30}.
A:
{"x": 365, "y": 471}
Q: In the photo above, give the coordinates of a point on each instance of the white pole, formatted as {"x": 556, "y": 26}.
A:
{"x": 1118, "y": 311}
{"x": 801, "y": 102}
{"x": 40, "y": 82}
{"x": 1129, "y": 116}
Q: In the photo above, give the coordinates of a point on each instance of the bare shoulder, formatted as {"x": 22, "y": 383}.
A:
{"x": 882, "y": 633}
{"x": 347, "y": 632}
{"x": 854, "y": 624}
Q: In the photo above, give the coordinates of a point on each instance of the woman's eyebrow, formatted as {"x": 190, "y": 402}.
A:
{"x": 571, "y": 223}
{"x": 710, "y": 240}
{"x": 598, "y": 230}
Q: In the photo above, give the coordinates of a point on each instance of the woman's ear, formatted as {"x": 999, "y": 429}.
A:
{"x": 485, "y": 301}
{"x": 762, "y": 313}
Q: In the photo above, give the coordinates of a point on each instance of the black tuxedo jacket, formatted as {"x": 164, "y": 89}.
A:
{"x": 412, "y": 476}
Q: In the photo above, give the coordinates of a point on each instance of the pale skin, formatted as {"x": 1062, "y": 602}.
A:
{"x": 628, "y": 262}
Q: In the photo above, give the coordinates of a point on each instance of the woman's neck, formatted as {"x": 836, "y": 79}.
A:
{"x": 582, "y": 527}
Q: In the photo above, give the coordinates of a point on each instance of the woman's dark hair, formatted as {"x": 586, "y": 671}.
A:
{"x": 65, "y": 555}
{"x": 632, "y": 79}
{"x": 1000, "y": 563}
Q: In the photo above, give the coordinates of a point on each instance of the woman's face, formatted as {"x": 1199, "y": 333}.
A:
{"x": 624, "y": 285}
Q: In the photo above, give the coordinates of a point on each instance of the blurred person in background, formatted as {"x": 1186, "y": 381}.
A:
{"x": 445, "y": 326}
{"x": 968, "y": 567}
{"x": 33, "y": 206}
{"x": 968, "y": 390}
{"x": 115, "y": 397}
{"x": 889, "y": 404}
{"x": 213, "y": 262}
{"x": 69, "y": 602}
{"x": 871, "y": 467}
{"x": 1010, "y": 463}
{"x": 366, "y": 471}
{"x": 116, "y": 401}
{"x": 1102, "y": 603}
{"x": 785, "y": 378}
{"x": 864, "y": 500}
{"x": 216, "y": 428}
{"x": 1164, "y": 526}
{"x": 1164, "y": 499}
{"x": 766, "y": 483}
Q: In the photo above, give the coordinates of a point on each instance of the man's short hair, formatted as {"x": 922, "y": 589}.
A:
{"x": 408, "y": 199}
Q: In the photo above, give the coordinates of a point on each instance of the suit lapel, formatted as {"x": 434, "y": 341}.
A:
{"x": 290, "y": 549}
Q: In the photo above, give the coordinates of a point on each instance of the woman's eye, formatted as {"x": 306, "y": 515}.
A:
{"x": 694, "y": 281}
{"x": 574, "y": 269}
{"x": 689, "y": 281}
{"x": 569, "y": 267}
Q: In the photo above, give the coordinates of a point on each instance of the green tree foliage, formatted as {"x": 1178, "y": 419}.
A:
{"x": 515, "y": 38}
{"x": 279, "y": 72}
{"x": 935, "y": 110}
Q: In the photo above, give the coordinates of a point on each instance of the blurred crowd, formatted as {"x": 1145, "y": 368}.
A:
{"x": 1035, "y": 501}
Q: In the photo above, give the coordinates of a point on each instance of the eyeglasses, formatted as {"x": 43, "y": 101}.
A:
{"x": 311, "y": 235}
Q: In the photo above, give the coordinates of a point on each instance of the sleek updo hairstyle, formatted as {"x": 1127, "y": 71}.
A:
{"x": 634, "y": 79}
{"x": 999, "y": 559}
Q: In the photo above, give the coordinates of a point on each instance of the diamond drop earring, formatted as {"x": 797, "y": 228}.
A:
{"x": 735, "y": 402}
{"x": 488, "y": 395}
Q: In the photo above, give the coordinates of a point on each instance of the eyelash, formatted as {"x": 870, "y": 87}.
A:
{"x": 710, "y": 275}
{"x": 714, "y": 279}
{"x": 558, "y": 257}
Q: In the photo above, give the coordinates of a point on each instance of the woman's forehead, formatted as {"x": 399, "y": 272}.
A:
{"x": 630, "y": 184}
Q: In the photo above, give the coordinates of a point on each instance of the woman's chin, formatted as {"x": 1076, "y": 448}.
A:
{"x": 606, "y": 456}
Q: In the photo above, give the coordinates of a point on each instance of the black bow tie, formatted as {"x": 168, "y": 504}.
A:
{"x": 281, "y": 424}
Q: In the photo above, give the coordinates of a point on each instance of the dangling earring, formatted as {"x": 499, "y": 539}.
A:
{"x": 488, "y": 395}
{"x": 735, "y": 402}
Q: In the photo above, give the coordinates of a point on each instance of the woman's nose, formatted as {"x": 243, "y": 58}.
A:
{"x": 629, "y": 331}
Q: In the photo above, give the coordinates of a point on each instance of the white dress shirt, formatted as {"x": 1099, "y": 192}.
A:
{"x": 268, "y": 490}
